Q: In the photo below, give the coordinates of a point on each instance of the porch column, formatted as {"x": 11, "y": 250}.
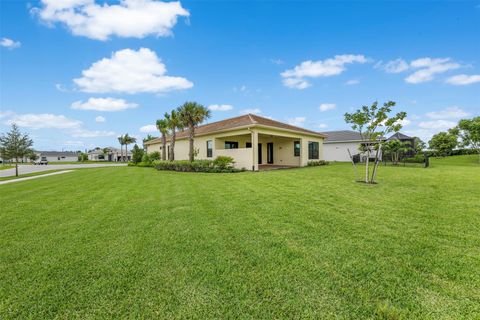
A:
{"x": 255, "y": 150}
{"x": 303, "y": 152}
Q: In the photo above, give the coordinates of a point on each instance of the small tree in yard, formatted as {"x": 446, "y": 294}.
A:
{"x": 469, "y": 130}
{"x": 191, "y": 115}
{"x": 174, "y": 124}
{"x": 15, "y": 145}
{"x": 373, "y": 123}
{"x": 162, "y": 126}
{"x": 395, "y": 148}
{"x": 443, "y": 143}
{"x": 137, "y": 154}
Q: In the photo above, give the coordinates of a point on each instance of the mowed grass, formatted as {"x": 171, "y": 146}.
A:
{"x": 130, "y": 242}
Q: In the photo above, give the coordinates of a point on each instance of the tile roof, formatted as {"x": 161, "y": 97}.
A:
{"x": 400, "y": 136}
{"x": 58, "y": 153}
{"x": 237, "y": 122}
{"x": 343, "y": 135}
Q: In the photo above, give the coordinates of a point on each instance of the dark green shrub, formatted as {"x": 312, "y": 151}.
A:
{"x": 137, "y": 154}
{"x": 223, "y": 162}
{"x": 145, "y": 158}
{"x": 154, "y": 156}
{"x": 419, "y": 158}
{"x": 222, "y": 165}
{"x": 317, "y": 163}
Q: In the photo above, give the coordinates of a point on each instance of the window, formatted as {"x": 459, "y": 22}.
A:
{"x": 296, "y": 148}
{"x": 248, "y": 145}
{"x": 209, "y": 149}
{"x": 313, "y": 148}
{"x": 231, "y": 144}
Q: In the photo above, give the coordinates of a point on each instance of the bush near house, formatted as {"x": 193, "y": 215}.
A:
{"x": 220, "y": 164}
{"x": 317, "y": 163}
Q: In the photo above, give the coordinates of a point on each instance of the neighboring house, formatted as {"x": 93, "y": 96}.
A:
{"x": 338, "y": 143}
{"x": 411, "y": 141}
{"x": 253, "y": 142}
{"x": 113, "y": 154}
{"x": 57, "y": 156}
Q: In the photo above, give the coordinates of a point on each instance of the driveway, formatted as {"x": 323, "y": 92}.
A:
{"x": 24, "y": 169}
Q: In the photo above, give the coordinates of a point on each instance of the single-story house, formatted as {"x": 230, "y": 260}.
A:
{"x": 112, "y": 154}
{"x": 412, "y": 142}
{"x": 338, "y": 143}
{"x": 253, "y": 142}
{"x": 57, "y": 156}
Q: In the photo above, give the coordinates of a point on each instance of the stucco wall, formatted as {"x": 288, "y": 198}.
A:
{"x": 339, "y": 151}
{"x": 243, "y": 156}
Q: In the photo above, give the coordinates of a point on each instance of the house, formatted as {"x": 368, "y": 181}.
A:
{"x": 57, "y": 156}
{"x": 411, "y": 141}
{"x": 253, "y": 142}
{"x": 111, "y": 154}
{"x": 338, "y": 143}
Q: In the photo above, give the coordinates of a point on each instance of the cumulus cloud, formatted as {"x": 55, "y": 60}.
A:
{"x": 327, "y": 106}
{"x": 352, "y": 82}
{"x": 437, "y": 124}
{"x": 252, "y": 111}
{"x": 296, "y": 77}
{"x": 297, "y": 121}
{"x": 448, "y": 113}
{"x": 394, "y": 66}
{"x": 148, "y": 128}
{"x": 100, "y": 119}
{"x": 130, "y": 71}
{"x": 322, "y": 125}
{"x": 463, "y": 79}
{"x": 428, "y": 68}
{"x": 128, "y": 18}
{"x": 220, "y": 107}
{"x": 103, "y": 104}
{"x": 51, "y": 121}
{"x": 9, "y": 43}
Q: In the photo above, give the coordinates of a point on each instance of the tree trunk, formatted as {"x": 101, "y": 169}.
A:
{"x": 374, "y": 173}
{"x": 126, "y": 153}
{"x": 190, "y": 138}
{"x": 172, "y": 146}
{"x": 164, "y": 149}
{"x": 16, "y": 167}
{"x": 366, "y": 166}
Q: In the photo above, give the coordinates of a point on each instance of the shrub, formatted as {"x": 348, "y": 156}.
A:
{"x": 146, "y": 158}
{"x": 154, "y": 156}
{"x": 137, "y": 154}
{"x": 220, "y": 164}
{"x": 419, "y": 158}
{"x": 317, "y": 163}
{"x": 223, "y": 162}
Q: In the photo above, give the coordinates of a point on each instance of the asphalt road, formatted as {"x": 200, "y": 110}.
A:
{"x": 24, "y": 169}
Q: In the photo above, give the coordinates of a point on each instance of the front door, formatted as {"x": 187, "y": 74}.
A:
{"x": 259, "y": 153}
{"x": 270, "y": 153}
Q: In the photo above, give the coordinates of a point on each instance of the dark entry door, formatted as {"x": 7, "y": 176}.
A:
{"x": 259, "y": 153}
{"x": 270, "y": 153}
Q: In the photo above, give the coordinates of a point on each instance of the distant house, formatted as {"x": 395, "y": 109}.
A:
{"x": 253, "y": 142}
{"x": 57, "y": 156}
{"x": 112, "y": 154}
{"x": 338, "y": 143}
{"x": 411, "y": 141}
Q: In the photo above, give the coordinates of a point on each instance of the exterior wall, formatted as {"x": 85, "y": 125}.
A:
{"x": 243, "y": 156}
{"x": 55, "y": 159}
{"x": 339, "y": 151}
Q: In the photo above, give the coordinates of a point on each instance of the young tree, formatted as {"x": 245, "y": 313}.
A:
{"x": 128, "y": 140}
{"x": 469, "y": 130}
{"x": 373, "y": 123}
{"x": 121, "y": 140}
{"x": 174, "y": 124}
{"x": 191, "y": 115}
{"x": 137, "y": 154}
{"x": 395, "y": 148}
{"x": 162, "y": 126}
{"x": 443, "y": 143}
{"x": 15, "y": 145}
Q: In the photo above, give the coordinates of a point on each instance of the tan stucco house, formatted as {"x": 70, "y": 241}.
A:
{"x": 253, "y": 142}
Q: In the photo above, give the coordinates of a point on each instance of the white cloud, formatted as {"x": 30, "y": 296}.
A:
{"x": 463, "y": 79}
{"x": 448, "y": 113}
{"x": 352, "y": 82}
{"x": 327, "y": 106}
{"x": 148, "y": 128}
{"x": 100, "y": 119}
{"x": 297, "y": 121}
{"x": 44, "y": 121}
{"x": 51, "y": 121}
{"x": 428, "y": 68}
{"x": 9, "y": 43}
{"x": 295, "y": 78}
{"x": 277, "y": 61}
{"x": 103, "y": 104}
{"x": 437, "y": 124}
{"x": 252, "y": 111}
{"x": 395, "y": 66}
{"x": 322, "y": 125}
{"x": 128, "y": 18}
{"x": 220, "y": 107}
{"x": 130, "y": 71}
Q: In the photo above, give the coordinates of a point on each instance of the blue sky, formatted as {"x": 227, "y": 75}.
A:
{"x": 77, "y": 73}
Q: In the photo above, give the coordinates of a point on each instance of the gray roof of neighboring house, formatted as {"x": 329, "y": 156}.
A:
{"x": 400, "y": 136}
{"x": 58, "y": 153}
{"x": 343, "y": 136}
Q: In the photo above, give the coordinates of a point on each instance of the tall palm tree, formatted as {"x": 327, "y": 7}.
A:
{"x": 191, "y": 115}
{"x": 162, "y": 126}
{"x": 128, "y": 140}
{"x": 174, "y": 123}
{"x": 121, "y": 140}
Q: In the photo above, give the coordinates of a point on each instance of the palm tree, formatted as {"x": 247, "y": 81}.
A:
{"x": 191, "y": 115}
{"x": 121, "y": 140}
{"x": 128, "y": 140}
{"x": 162, "y": 126}
{"x": 174, "y": 123}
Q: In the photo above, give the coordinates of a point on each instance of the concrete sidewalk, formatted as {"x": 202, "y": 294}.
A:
{"x": 24, "y": 169}
{"x": 34, "y": 177}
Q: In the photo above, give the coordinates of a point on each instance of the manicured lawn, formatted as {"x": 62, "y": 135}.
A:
{"x": 127, "y": 242}
{"x": 5, "y": 167}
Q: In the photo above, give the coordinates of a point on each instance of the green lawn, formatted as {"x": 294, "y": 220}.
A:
{"x": 6, "y": 166}
{"x": 127, "y": 242}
